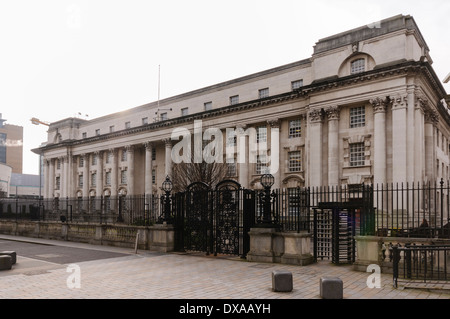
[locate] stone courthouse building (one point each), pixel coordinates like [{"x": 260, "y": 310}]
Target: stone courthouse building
[{"x": 366, "y": 107}]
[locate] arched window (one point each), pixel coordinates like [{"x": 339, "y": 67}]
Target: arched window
[{"x": 357, "y": 66}]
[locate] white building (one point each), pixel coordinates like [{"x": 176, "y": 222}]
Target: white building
[{"x": 367, "y": 107}]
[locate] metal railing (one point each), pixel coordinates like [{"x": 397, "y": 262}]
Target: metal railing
[{"x": 421, "y": 263}]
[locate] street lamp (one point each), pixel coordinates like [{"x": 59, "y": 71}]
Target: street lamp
[
  {"x": 267, "y": 181},
  {"x": 167, "y": 187}
]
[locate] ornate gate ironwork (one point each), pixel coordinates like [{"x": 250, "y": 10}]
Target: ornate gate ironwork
[{"x": 215, "y": 221}]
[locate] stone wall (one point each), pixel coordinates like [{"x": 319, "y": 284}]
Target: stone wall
[{"x": 156, "y": 238}]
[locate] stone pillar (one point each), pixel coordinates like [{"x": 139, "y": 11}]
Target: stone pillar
[
  {"x": 86, "y": 176},
  {"x": 130, "y": 182},
  {"x": 46, "y": 180},
  {"x": 399, "y": 139},
  {"x": 379, "y": 162},
  {"x": 333, "y": 146},
  {"x": 410, "y": 130},
  {"x": 315, "y": 150},
  {"x": 114, "y": 172},
  {"x": 70, "y": 174},
  {"x": 148, "y": 169},
  {"x": 419, "y": 136},
  {"x": 51, "y": 179},
  {"x": 243, "y": 158},
  {"x": 168, "y": 157},
  {"x": 431, "y": 119},
  {"x": 99, "y": 184},
  {"x": 275, "y": 152}
]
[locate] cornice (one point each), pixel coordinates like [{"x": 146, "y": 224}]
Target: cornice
[{"x": 402, "y": 69}]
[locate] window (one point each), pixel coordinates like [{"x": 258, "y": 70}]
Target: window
[
  {"x": 231, "y": 138},
  {"x": 261, "y": 134},
  {"x": 357, "y": 154},
  {"x": 295, "y": 129},
  {"x": 108, "y": 178},
  {"x": 109, "y": 157},
  {"x": 163, "y": 116},
  {"x": 296, "y": 84},
  {"x": 234, "y": 99},
  {"x": 84, "y": 135},
  {"x": 124, "y": 155},
  {"x": 231, "y": 169},
  {"x": 58, "y": 164},
  {"x": 58, "y": 182},
  {"x": 94, "y": 179},
  {"x": 127, "y": 125},
  {"x": 94, "y": 159},
  {"x": 261, "y": 164},
  {"x": 295, "y": 161},
  {"x": 111, "y": 129},
  {"x": 145, "y": 121},
  {"x": 153, "y": 176},
  {"x": 80, "y": 180},
  {"x": 184, "y": 111},
  {"x": 153, "y": 153},
  {"x": 208, "y": 106},
  {"x": 357, "y": 116},
  {"x": 357, "y": 66},
  {"x": 97, "y": 132},
  {"x": 81, "y": 161},
  {"x": 263, "y": 93},
  {"x": 123, "y": 177}
]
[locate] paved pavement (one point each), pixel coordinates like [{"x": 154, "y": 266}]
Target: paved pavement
[{"x": 48, "y": 269}]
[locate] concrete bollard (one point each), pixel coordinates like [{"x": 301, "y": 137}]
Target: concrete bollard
[
  {"x": 10, "y": 253},
  {"x": 282, "y": 281},
  {"x": 5, "y": 262},
  {"x": 331, "y": 288}
]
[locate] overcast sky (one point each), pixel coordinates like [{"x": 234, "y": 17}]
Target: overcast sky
[{"x": 95, "y": 57}]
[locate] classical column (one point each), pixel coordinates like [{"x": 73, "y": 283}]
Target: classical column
[
  {"x": 410, "y": 130},
  {"x": 130, "y": 182},
  {"x": 243, "y": 157},
  {"x": 99, "y": 183},
  {"x": 114, "y": 172},
  {"x": 51, "y": 179},
  {"x": 419, "y": 138},
  {"x": 63, "y": 179},
  {"x": 379, "y": 140},
  {"x": 315, "y": 150},
  {"x": 46, "y": 180},
  {"x": 148, "y": 169},
  {"x": 275, "y": 142},
  {"x": 70, "y": 174},
  {"x": 431, "y": 120},
  {"x": 333, "y": 145},
  {"x": 86, "y": 176},
  {"x": 168, "y": 157},
  {"x": 399, "y": 139}
]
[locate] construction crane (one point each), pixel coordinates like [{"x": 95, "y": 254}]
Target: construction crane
[{"x": 36, "y": 121}]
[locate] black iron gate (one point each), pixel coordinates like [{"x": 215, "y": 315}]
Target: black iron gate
[{"x": 215, "y": 221}]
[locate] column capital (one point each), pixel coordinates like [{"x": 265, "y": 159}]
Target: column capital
[
  {"x": 148, "y": 145},
  {"x": 380, "y": 105},
  {"x": 399, "y": 101},
  {"x": 167, "y": 142},
  {"x": 431, "y": 116},
  {"x": 275, "y": 123},
  {"x": 421, "y": 103},
  {"x": 333, "y": 113},
  {"x": 316, "y": 116}
]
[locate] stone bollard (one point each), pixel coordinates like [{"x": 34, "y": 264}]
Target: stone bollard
[
  {"x": 331, "y": 288},
  {"x": 9, "y": 253},
  {"x": 281, "y": 281},
  {"x": 5, "y": 262}
]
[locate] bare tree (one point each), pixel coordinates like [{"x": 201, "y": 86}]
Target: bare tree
[{"x": 185, "y": 174}]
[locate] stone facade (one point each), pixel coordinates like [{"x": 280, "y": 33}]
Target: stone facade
[{"x": 365, "y": 107}]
